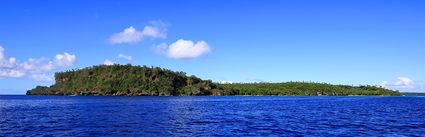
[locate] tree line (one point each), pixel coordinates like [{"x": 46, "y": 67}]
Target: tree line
[
  {"x": 125, "y": 80},
  {"x": 128, "y": 80},
  {"x": 301, "y": 89}
]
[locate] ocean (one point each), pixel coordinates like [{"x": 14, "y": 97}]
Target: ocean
[{"x": 211, "y": 116}]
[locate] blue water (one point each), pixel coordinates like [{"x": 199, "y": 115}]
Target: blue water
[{"x": 211, "y": 116}]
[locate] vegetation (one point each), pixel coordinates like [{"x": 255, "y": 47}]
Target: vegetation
[
  {"x": 412, "y": 94},
  {"x": 300, "y": 88},
  {"x": 127, "y": 80}
]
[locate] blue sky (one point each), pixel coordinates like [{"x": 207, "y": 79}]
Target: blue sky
[{"x": 378, "y": 42}]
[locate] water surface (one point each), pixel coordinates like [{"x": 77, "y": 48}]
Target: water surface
[{"x": 211, "y": 116}]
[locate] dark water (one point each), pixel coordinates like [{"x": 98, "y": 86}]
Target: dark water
[{"x": 211, "y": 116}]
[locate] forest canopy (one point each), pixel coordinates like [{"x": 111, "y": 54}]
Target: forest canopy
[{"x": 128, "y": 80}]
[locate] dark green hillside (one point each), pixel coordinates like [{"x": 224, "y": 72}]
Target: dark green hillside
[
  {"x": 125, "y": 80},
  {"x": 128, "y": 80}
]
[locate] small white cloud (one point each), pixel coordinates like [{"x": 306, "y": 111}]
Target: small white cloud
[
  {"x": 126, "y": 57},
  {"x": 383, "y": 83},
  {"x": 65, "y": 59},
  {"x": 226, "y": 82},
  {"x": 108, "y": 62},
  {"x": 403, "y": 84},
  {"x": 10, "y": 67},
  {"x": 6, "y": 62},
  {"x": 1, "y": 53},
  {"x": 155, "y": 29},
  {"x": 11, "y": 73},
  {"x": 161, "y": 49},
  {"x": 42, "y": 77},
  {"x": 43, "y": 64},
  {"x": 130, "y": 35},
  {"x": 37, "y": 65},
  {"x": 9, "y": 63},
  {"x": 184, "y": 49},
  {"x": 403, "y": 81}
]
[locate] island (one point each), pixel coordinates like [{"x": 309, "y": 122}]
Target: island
[{"x": 129, "y": 80}]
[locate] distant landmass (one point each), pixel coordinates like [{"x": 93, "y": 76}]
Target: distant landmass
[
  {"x": 128, "y": 80},
  {"x": 412, "y": 94}
]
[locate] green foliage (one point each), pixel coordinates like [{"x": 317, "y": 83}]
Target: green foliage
[
  {"x": 412, "y": 94},
  {"x": 300, "y": 89},
  {"x": 128, "y": 80},
  {"x": 124, "y": 80}
]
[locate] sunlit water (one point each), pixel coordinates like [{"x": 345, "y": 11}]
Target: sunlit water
[{"x": 211, "y": 116}]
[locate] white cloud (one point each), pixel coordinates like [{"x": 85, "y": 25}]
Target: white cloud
[
  {"x": 383, "y": 83},
  {"x": 42, "y": 77},
  {"x": 403, "y": 84},
  {"x": 2, "y": 56},
  {"x": 156, "y": 29},
  {"x": 226, "y": 82},
  {"x": 6, "y": 62},
  {"x": 10, "y": 67},
  {"x": 65, "y": 59},
  {"x": 184, "y": 49},
  {"x": 108, "y": 62},
  {"x": 9, "y": 63},
  {"x": 1, "y": 53},
  {"x": 37, "y": 65},
  {"x": 43, "y": 64},
  {"x": 403, "y": 81},
  {"x": 126, "y": 57},
  {"x": 11, "y": 73},
  {"x": 130, "y": 35}
]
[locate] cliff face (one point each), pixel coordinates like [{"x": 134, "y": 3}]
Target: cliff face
[{"x": 127, "y": 80}]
